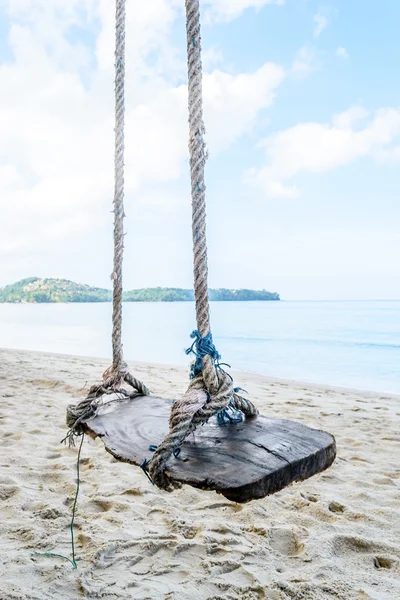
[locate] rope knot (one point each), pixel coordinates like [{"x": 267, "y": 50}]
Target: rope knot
[{"x": 201, "y": 347}]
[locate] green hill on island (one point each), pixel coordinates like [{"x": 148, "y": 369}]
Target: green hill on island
[{"x": 38, "y": 290}]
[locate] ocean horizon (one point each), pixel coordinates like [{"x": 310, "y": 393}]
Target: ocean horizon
[{"x": 347, "y": 343}]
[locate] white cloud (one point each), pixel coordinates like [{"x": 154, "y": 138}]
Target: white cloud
[
  {"x": 321, "y": 22},
  {"x": 212, "y": 57},
  {"x": 305, "y": 62},
  {"x": 57, "y": 115},
  {"x": 232, "y": 102},
  {"x": 226, "y": 10},
  {"x": 341, "y": 52},
  {"x": 231, "y": 105},
  {"x": 320, "y": 147}
]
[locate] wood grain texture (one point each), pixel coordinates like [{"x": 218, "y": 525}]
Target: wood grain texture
[{"x": 242, "y": 461}]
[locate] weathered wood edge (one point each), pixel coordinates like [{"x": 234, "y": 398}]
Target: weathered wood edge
[
  {"x": 265, "y": 486},
  {"x": 284, "y": 477}
]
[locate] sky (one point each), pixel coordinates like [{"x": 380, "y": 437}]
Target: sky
[{"x": 302, "y": 112}]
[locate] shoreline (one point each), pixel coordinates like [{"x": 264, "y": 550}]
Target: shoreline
[{"x": 237, "y": 374}]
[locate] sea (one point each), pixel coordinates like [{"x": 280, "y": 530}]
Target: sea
[{"x": 350, "y": 344}]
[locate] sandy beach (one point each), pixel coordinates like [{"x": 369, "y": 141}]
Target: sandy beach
[{"x": 336, "y": 536}]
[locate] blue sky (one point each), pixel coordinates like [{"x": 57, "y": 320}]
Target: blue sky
[{"x": 303, "y": 124}]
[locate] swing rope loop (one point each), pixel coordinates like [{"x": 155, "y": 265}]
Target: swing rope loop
[
  {"x": 117, "y": 374},
  {"x": 211, "y": 389}
]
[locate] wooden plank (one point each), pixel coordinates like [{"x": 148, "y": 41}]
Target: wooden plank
[{"x": 242, "y": 461}]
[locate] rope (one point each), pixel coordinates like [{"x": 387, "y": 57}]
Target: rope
[
  {"x": 211, "y": 389},
  {"x": 201, "y": 347},
  {"x": 119, "y": 184},
  {"x": 116, "y": 375},
  {"x": 78, "y": 414},
  {"x": 72, "y": 523}
]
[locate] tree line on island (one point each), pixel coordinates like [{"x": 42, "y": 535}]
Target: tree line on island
[{"x": 36, "y": 290}]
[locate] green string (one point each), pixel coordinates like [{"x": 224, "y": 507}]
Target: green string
[{"x": 72, "y": 561}]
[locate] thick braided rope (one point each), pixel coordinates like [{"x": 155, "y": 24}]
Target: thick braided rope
[
  {"x": 211, "y": 390},
  {"x": 198, "y": 157},
  {"x": 116, "y": 375},
  {"x": 119, "y": 185},
  {"x": 119, "y": 371},
  {"x": 112, "y": 387}
]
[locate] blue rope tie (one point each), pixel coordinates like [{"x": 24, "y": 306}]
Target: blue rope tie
[
  {"x": 202, "y": 347},
  {"x": 144, "y": 465},
  {"x": 230, "y": 415}
]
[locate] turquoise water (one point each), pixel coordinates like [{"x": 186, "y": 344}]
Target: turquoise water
[{"x": 351, "y": 344}]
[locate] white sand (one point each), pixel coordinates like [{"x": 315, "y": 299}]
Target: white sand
[{"x": 334, "y": 536}]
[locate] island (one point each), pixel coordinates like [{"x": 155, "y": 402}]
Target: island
[{"x": 37, "y": 290}]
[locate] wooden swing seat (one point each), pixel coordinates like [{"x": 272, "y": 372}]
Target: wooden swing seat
[{"x": 242, "y": 461}]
